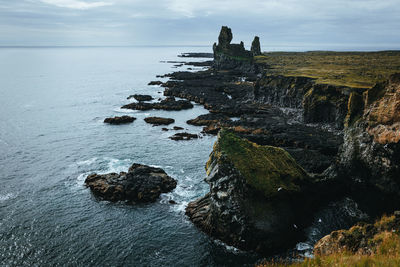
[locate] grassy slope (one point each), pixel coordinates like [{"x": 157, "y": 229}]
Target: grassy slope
[{"x": 353, "y": 69}]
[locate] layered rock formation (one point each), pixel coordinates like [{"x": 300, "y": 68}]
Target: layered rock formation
[{"x": 140, "y": 184}]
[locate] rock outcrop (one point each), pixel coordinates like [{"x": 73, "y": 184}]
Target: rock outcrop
[
  {"x": 159, "y": 120},
  {"x": 141, "y": 98},
  {"x": 169, "y": 103},
  {"x": 370, "y": 154},
  {"x": 231, "y": 56},
  {"x": 183, "y": 136},
  {"x": 140, "y": 184},
  {"x": 119, "y": 120},
  {"x": 255, "y": 46},
  {"x": 260, "y": 199}
]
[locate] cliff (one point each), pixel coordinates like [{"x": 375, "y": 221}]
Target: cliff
[{"x": 260, "y": 199}]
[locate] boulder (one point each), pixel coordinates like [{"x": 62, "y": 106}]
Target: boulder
[
  {"x": 140, "y": 184},
  {"x": 119, "y": 120},
  {"x": 159, "y": 120}
]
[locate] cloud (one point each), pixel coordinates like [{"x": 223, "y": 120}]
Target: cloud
[{"x": 75, "y": 4}]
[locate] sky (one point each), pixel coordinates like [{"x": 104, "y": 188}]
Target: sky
[{"x": 281, "y": 24}]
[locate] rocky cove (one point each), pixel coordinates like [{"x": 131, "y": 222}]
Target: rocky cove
[{"x": 288, "y": 147}]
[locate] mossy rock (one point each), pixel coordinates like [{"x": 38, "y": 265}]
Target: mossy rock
[
  {"x": 355, "y": 108},
  {"x": 267, "y": 169}
]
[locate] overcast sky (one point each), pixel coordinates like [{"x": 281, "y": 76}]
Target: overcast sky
[{"x": 285, "y": 24}]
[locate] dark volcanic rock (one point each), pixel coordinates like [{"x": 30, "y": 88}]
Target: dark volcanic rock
[
  {"x": 259, "y": 198},
  {"x": 183, "y": 136},
  {"x": 155, "y": 83},
  {"x": 231, "y": 56},
  {"x": 255, "y": 46},
  {"x": 208, "y": 119},
  {"x": 167, "y": 104},
  {"x": 370, "y": 154},
  {"x": 141, "y": 98},
  {"x": 141, "y": 184},
  {"x": 159, "y": 120},
  {"x": 177, "y": 128},
  {"x": 119, "y": 120}
]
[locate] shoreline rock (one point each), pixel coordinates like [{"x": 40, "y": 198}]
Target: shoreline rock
[
  {"x": 140, "y": 184},
  {"x": 170, "y": 103},
  {"x": 119, "y": 120},
  {"x": 141, "y": 98},
  {"x": 159, "y": 121}
]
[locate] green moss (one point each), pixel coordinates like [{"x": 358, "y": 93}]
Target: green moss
[{"x": 266, "y": 168}]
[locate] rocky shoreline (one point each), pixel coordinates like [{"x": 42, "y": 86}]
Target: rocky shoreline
[{"x": 287, "y": 147}]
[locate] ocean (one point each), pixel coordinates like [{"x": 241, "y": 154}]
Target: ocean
[{"x": 53, "y": 101}]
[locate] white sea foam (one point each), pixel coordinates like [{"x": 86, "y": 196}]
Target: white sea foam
[
  {"x": 125, "y": 110},
  {"x": 87, "y": 162},
  {"x": 6, "y": 197}
]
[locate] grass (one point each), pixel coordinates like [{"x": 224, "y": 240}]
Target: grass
[
  {"x": 352, "y": 69},
  {"x": 266, "y": 168}
]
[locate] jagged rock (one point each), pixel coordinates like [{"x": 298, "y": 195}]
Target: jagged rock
[
  {"x": 231, "y": 56},
  {"x": 177, "y": 128},
  {"x": 259, "y": 198},
  {"x": 360, "y": 239},
  {"x": 255, "y": 46},
  {"x": 183, "y": 136},
  {"x": 141, "y": 98},
  {"x": 159, "y": 120},
  {"x": 167, "y": 104},
  {"x": 119, "y": 120},
  {"x": 370, "y": 154},
  {"x": 140, "y": 184}
]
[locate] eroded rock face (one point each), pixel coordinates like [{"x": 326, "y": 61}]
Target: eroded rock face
[
  {"x": 371, "y": 150},
  {"x": 119, "y": 120},
  {"x": 361, "y": 238},
  {"x": 257, "y": 197},
  {"x": 140, "y": 184}
]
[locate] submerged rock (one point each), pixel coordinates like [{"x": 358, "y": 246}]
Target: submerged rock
[
  {"x": 159, "y": 120},
  {"x": 260, "y": 199},
  {"x": 119, "y": 120},
  {"x": 140, "y": 184}
]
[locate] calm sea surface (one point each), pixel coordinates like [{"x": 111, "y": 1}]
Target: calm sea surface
[{"x": 52, "y": 105}]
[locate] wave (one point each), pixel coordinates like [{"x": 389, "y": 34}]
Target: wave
[{"x": 6, "y": 197}]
